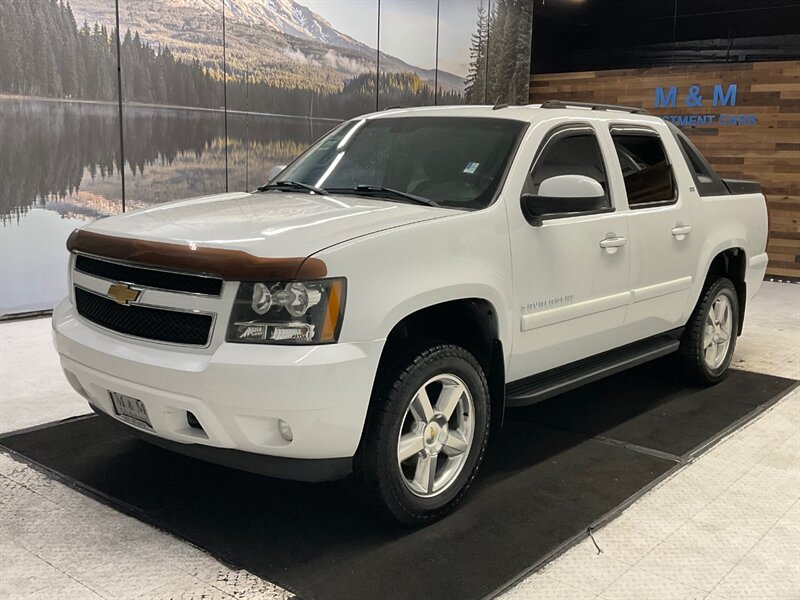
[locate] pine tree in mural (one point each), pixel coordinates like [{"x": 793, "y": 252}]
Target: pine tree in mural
[
  {"x": 500, "y": 53},
  {"x": 475, "y": 83},
  {"x": 43, "y": 52},
  {"x": 521, "y": 75}
]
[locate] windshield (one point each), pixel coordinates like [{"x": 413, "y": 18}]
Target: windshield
[{"x": 457, "y": 162}]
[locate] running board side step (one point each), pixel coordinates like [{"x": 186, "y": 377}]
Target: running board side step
[{"x": 562, "y": 379}]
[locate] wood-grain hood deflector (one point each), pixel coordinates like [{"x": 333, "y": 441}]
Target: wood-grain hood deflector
[{"x": 232, "y": 265}]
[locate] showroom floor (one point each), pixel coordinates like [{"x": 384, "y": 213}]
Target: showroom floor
[{"x": 726, "y": 526}]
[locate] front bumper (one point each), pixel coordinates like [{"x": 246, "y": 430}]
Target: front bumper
[
  {"x": 237, "y": 392},
  {"x": 298, "y": 469}
]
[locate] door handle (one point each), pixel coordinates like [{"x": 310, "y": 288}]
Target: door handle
[
  {"x": 612, "y": 244},
  {"x": 681, "y": 231}
]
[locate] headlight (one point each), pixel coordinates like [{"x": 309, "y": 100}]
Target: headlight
[{"x": 295, "y": 312}]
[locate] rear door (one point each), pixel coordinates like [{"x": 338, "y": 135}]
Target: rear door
[
  {"x": 571, "y": 274},
  {"x": 662, "y": 232}
]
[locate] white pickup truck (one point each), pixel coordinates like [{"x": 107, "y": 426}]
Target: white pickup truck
[{"x": 377, "y": 305}]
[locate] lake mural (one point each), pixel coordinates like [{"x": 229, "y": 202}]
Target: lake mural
[
  {"x": 61, "y": 172},
  {"x": 214, "y": 93}
]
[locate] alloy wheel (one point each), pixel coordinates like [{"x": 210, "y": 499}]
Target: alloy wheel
[
  {"x": 436, "y": 435},
  {"x": 717, "y": 332}
]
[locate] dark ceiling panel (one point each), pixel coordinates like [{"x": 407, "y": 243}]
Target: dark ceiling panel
[
  {"x": 574, "y": 35},
  {"x": 712, "y": 19}
]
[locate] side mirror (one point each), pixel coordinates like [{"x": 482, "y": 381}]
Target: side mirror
[
  {"x": 563, "y": 194},
  {"x": 274, "y": 172}
]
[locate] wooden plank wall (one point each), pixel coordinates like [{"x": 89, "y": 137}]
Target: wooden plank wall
[{"x": 768, "y": 152}]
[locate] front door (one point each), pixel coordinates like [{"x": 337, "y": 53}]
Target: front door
[{"x": 571, "y": 273}]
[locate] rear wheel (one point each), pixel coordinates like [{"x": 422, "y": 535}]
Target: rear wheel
[
  {"x": 426, "y": 432},
  {"x": 710, "y": 335}
]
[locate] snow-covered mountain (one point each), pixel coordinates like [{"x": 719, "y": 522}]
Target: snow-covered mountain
[
  {"x": 290, "y": 18},
  {"x": 274, "y": 36},
  {"x": 294, "y": 19}
]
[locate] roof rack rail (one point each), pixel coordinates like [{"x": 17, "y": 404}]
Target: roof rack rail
[{"x": 593, "y": 106}]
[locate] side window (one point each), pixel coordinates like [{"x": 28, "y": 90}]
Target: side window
[
  {"x": 705, "y": 178},
  {"x": 693, "y": 161},
  {"x": 569, "y": 152},
  {"x": 648, "y": 176}
]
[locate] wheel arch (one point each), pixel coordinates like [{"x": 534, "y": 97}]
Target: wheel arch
[
  {"x": 731, "y": 263},
  {"x": 472, "y": 323}
]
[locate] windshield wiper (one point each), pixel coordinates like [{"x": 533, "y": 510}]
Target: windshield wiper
[
  {"x": 380, "y": 191},
  {"x": 293, "y": 185}
]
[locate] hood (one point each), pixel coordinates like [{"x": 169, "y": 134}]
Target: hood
[{"x": 270, "y": 224}]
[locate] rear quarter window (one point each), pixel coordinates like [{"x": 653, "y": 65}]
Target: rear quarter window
[{"x": 706, "y": 180}]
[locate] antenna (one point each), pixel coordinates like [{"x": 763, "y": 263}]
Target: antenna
[{"x": 499, "y": 104}]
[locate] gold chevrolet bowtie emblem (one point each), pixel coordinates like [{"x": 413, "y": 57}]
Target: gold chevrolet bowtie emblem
[{"x": 123, "y": 294}]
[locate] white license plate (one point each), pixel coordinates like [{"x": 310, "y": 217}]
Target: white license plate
[{"x": 131, "y": 410}]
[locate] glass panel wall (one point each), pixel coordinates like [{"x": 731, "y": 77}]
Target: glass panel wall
[
  {"x": 292, "y": 81},
  {"x": 408, "y": 53},
  {"x": 463, "y": 33},
  {"x": 59, "y": 141},
  {"x": 509, "y": 50},
  {"x": 173, "y": 101},
  {"x": 214, "y": 94}
]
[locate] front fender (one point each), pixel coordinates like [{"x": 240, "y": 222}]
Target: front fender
[{"x": 394, "y": 273}]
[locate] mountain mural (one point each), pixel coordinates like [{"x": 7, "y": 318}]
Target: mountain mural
[
  {"x": 290, "y": 18},
  {"x": 174, "y": 57},
  {"x": 187, "y": 134},
  {"x": 279, "y": 42}
]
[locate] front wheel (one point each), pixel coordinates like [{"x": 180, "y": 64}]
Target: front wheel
[
  {"x": 710, "y": 335},
  {"x": 426, "y": 432}
]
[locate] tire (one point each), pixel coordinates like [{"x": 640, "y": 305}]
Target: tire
[
  {"x": 704, "y": 352},
  {"x": 441, "y": 452}
]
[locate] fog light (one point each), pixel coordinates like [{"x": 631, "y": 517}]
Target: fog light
[{"x": 286, "y": 431}]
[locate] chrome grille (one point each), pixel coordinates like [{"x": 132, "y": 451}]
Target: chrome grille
[
  {"x": 135, "y": 300},
  {"x": 145, "y": 322},
  {"x": 148, "y": 277}
]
